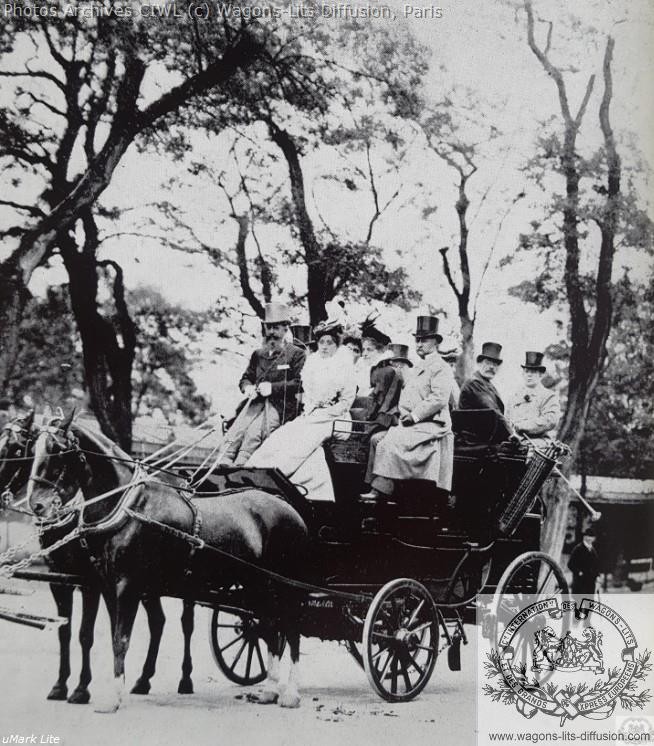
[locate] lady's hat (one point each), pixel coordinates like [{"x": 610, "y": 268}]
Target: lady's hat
[
  {"x": 534, "y": 361},
  {"x": 399, "y": 354},
  {"x": 427, "y": 328},
  {"x": 333, "y": 328},
  {"x": 301, "y": 334},
  {"x": 490, "y": 351},
  {"x": 370, "y": 331},
  {"x": 277, "y": 313}
]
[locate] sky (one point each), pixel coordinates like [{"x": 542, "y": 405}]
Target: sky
[{"x": 480, "y": 58}]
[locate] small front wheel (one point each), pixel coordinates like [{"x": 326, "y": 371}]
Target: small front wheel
[
  {"x": 237, "y": 646},
  {"x": 400, "y": 640}
]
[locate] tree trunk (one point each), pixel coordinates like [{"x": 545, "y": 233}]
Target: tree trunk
[
  {"x": 316, "y": 276},
  {"x": 13, "y": 297},
  {"x": 465, "y": 365}
]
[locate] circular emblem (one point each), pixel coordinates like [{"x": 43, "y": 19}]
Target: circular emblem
[{"x": 581, "y": 661}]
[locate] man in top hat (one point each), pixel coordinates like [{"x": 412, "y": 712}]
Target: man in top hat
[
  {"x": 534, "y": 410},
  {"x": 422, "y": 445},
  {"x": 584, "y": 564},
  {"x": 478, "y": 392},
  {"x": 271, "y": 384}
]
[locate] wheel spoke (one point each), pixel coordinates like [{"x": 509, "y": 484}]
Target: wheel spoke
[
  {"x": 248, "y": 662},
  {"x": 544, "y": 584},
  {"x": 238, "y": 656},
  {"x": 394, "y": 675},
  {"x": 415, "y": 613},
  {"x": 379, "y": 652},
  {"x": 260, "y": 657},
  {"x": 229, "y": 644},
  {"x": 420, "y": 627},
  {"x": 412, "y": 661},
  {"x": 383, "y": 636},
  {"x": 405, "y": 676},
  {"x": 382, "y": 673},
  {"x": 425, "y": 647}
]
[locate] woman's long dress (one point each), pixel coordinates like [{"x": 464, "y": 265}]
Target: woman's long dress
[{"x": 295, "y": 448}]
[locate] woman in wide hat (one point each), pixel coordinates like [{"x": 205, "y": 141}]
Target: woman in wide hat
[{"x": 328, "y": 393}]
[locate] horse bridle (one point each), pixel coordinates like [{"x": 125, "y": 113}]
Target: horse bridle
[
  {"x": 69, "y": 445},
  {"x": 17, "y": 430}
]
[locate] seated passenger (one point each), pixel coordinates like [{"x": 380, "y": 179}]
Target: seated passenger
[
  {"x": 271, "y": 384},
  {"x": 329, "y": 390},
  {"x": 478, "y": 392},
  {"x": 422, "y": 446},
  {"x": 534, "y": 410},
  {"x": 387, "y": 380}
]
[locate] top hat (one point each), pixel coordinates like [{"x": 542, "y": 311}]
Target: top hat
[
  {"x": 399, "y": 354},
  {"x": 302, "y": 334},
  {"x": 590, "y": 532},
  {"x": 277, "y": 313},
  {"x": 534, "y": 361},
  {"x": 427, "y": 327},
  {"x": 490, "y": 351}
]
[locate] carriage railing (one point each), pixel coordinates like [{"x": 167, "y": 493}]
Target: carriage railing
[{"x": 539, "y": 467}]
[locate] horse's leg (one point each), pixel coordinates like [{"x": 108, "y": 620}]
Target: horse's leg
[
  {"x": 186, "y": 684},
  {"x": 290, "y": 696},
  {"x": 156, "y": 621},
  {"x": 63, "y": 596},
  {"x": 126, "y": 606},
  {"x": 90, "y": 603},
  {"x": 269, "y": 693}
]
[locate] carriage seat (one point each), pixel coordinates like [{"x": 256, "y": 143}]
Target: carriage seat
[{"x": 479, "y": 426}]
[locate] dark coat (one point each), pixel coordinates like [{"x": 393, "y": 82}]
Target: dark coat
[
  {"x": 383, "y": 402},
  {"x": 584, "y": 565},
  {"x": 479, "y": 393},
  {"x": 282, "y": 370}
]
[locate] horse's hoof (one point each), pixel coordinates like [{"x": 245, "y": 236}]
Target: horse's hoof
[
  {"x": 141, "y": 687},
  {"x": 79, "y": 697},
  {"x": 289, "y": 699},
  {"x": 107, "y": 708},
  {"x": 185, "y": 686},
  {"x": 58, "y": 693},
  {"x": 267, "y": 698}
]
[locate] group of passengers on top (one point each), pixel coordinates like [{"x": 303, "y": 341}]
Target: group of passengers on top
[{"x": 295, "y": 395}]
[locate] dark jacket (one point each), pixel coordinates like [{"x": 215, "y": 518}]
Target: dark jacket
[
  {"x": 584, "y": 565},
  {"x": 383, "y": 401},
  {"x": 282, "y": 370},
  {"x": 479, "y": 393}
]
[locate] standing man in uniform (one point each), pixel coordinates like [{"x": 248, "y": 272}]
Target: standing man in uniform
[
  {"x": 534, "y": 410},
  {"x": 584, "y": 564},
  {"x": 478, "y": 392},
  {"x": 271, "y": 385},
  {"x": 422, "y": 445}
]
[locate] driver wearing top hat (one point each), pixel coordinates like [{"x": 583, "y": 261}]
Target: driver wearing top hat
[
  {"x": 478, "y": 392},
  {"x": 534, "y": 410},
  {"x": 271, "y": 384}
]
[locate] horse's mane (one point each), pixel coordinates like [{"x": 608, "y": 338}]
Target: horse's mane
[{"x": 101, "y": 443}]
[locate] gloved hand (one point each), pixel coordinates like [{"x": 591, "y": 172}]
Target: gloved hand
[
  {"x": 249, "y": 390},
  {"x": 264, "y": 388},
  {"x": 407, "y": 420}
]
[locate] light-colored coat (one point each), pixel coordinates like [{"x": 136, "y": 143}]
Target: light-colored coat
[
  {"x": 424, "y": 450},
  {"x": 535, "y": 411}
]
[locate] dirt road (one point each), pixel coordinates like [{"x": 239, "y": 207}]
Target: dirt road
[{"x": 338, "y": 705}]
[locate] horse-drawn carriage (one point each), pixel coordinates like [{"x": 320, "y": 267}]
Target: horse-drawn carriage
[{"x": 395, "y": 584}]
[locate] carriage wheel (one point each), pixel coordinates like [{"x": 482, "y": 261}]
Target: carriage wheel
[
  {"x": 531, "y": 576},
  {"x": 400, "y": 640},
  {"x": 237, "y": 646}
]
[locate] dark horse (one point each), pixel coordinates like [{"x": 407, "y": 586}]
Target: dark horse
[
  {"x": 16, "y": 453},
  {"x": 137, "y": 540}
]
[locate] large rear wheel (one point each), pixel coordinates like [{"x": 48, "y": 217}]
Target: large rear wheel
[{"x": 400, "y": 640}]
